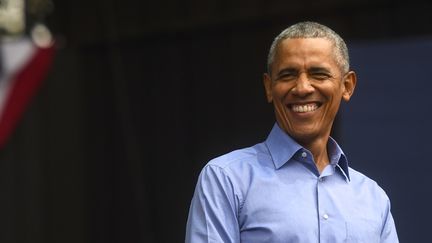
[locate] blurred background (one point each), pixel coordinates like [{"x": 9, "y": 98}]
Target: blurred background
[{"x": 137, "y": 96}]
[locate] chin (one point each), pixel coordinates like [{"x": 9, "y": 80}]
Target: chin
[
  {"x": 303, "y": 137},
  {"x": 303, "y": 134}
]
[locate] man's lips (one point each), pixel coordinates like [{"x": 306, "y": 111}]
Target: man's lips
[{"x": 305, "y": 107}]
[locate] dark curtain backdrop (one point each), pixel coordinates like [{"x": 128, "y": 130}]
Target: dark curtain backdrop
[
  {"x": 141, "y": 95},
  {"x": 386, "y": 126}
]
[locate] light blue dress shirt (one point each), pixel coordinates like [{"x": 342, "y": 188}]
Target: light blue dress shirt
[{"x": 272, "y": 192}]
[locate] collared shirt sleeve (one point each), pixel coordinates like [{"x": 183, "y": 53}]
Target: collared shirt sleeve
[
  {"x": 213, "y": 214},
  {"x": 389, "y": 234}
]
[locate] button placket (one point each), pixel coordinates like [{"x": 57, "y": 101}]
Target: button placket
[{"x": 323, "y": 215}]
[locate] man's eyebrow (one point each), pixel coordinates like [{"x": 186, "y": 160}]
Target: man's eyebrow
[
  {"x": 318, "y": 70},
  {"x": 287, "y": 70}
]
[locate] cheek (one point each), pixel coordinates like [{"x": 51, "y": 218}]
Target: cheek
[
  {"x": 280, "y": 91},
  {"x": 332, "y": 92},
  {"x": 334, "y": 99}
]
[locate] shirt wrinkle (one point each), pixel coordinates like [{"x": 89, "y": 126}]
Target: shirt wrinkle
[{"x": 236, "y": 191}]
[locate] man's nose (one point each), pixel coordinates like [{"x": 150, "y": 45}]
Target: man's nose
[{"x": 303, "y": 86}]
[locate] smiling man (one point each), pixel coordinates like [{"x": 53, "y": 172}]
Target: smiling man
[{"x": 296, "y": 186}]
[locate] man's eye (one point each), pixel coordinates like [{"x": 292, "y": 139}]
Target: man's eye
[
  {"x": 287, "y": 77},
  {"x": 320, "y": 76}
]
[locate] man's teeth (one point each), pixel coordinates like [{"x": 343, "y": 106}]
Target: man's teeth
[{"x": 304, "y": 108}]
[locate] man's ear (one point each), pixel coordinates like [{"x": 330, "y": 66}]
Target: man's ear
[
  {"x": 349, "y": 84},
  {"x": 268, "y": 87}
]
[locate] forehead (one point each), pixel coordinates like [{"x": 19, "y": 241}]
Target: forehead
[{"x": 305, "y": 52}]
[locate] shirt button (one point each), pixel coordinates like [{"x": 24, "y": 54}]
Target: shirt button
[
  {"x": 325, "y": 216},
  {"x": 304, "y": 155},
  {"x": 321, "y": 179}
]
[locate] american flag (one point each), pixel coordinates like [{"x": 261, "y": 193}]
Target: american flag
[{"x": 23, "y": 68}]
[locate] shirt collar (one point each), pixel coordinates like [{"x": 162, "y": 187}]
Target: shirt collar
[
  {"x": 282, "y": 148},
  {"x": 338, "y": 157}
]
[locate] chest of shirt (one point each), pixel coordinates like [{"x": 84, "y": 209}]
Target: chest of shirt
[{"x": 293, "y": 205}]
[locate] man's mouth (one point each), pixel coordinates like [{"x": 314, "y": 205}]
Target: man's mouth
[{"x": 303, "y": 108}]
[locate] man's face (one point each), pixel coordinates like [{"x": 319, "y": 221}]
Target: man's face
[{"x": 306, "y": 87}]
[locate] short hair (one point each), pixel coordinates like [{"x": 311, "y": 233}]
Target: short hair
[{"x": 309, "y": 29}]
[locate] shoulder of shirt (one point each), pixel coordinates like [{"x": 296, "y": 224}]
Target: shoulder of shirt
[
  {"x": 236, "y": 157},
  {"x": 360, "y": 178}
]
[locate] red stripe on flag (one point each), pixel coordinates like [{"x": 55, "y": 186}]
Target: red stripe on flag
[{"x": 24, "y": 86}]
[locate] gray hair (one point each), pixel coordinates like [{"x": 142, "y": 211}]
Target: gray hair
[{"x": 312, "y": 30}]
